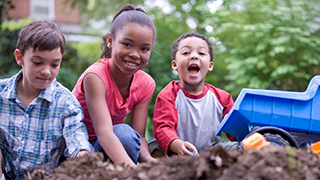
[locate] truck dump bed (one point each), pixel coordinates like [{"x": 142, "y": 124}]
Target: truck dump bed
[{"x": 291, "y": 111}]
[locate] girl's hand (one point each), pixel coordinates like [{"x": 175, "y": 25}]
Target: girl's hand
[{"x": 152, "y": 159}]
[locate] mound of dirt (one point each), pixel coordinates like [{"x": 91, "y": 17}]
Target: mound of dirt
[{"x": 270, "y": 162}]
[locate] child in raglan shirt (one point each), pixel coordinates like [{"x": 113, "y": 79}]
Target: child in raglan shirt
[{"x": 188, "y": 112}]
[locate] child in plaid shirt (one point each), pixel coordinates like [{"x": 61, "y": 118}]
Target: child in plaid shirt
[{"x": 41, "y": 121}]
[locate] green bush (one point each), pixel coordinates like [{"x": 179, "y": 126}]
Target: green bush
[
  {"x": 78, "y": 56},
  {"x": 8, "y": 40}
]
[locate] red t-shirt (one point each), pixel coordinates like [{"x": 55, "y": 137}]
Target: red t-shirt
[{"x": 141, "y": 88}]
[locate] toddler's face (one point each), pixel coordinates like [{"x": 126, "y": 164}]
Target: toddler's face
[{"x": 192, "y": 61}]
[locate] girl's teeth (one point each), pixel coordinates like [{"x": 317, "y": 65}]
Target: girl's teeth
[{"x": 131, "y": 64}]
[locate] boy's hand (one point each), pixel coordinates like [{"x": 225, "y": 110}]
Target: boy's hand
[
  {"x": 187, "y": 149},
  {"x": 82, "y": 153}
]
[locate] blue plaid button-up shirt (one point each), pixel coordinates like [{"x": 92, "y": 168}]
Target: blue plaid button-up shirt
[{"x": 40, "y": 134}]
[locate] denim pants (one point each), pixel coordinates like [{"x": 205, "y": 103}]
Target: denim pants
[{"x": 129, "y": 138}]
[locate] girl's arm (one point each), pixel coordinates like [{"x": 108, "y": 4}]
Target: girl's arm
[
  {"x": 138, "y": 122},
  {"x": 95, "y": 90}
]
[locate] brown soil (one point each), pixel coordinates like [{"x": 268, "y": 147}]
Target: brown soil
[{"x": 270, "y": 162}]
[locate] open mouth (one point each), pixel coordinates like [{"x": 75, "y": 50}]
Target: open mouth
[{"x": 193, "y": 69}]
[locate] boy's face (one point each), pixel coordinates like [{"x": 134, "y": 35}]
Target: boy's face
[
  {"x": 192, "y": 61},
  {"x": 39, "y": 67}
]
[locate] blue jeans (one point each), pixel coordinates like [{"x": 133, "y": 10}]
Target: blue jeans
[{"x": 129, "y": 138}]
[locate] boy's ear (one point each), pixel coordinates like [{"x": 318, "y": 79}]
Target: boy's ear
[
  {"x": 18, "y": 57},
  {"x": 109, "y": 40},
  {"x": 174, "y": 65},
  {"x": 211, "y": 65}
]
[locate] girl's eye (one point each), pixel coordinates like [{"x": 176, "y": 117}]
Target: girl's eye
[
  {"x": 55, "y": 65},
  {"x": 185, "y": 53},
  {"x": 201, "y": 53},
  {"x": 145, "y": 49}
]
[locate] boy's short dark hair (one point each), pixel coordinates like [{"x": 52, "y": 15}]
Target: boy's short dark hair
[
  {"x": 41, "y": 35},
  {"x": 184, "y": 36}
]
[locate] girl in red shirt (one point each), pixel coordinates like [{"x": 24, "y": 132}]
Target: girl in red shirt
[{"x": 115, "y": 86}]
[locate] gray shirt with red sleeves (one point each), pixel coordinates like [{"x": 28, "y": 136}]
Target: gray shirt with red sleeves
[{"x": 193, "y": 118}]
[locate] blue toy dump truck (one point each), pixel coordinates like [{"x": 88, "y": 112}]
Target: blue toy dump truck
[{"x": 282, "y": 117}]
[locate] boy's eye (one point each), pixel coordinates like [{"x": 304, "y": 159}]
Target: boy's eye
[
  {"x": 185, "y": 53},
  {"x": 36, "y": 62},
  {"x": 127, "y": 44},
  {"x": 201, "y": 53}
]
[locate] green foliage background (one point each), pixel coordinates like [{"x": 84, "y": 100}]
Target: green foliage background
[{"x": 268, "y": 44}]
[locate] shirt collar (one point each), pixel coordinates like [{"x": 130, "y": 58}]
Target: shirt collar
[{"x": 11, "y": 93}]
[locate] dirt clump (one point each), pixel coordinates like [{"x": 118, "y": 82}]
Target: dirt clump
[{"x": 270, "y": 162}]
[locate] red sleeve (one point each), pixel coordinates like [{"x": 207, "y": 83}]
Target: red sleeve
[
  {"x": 226, "y": 101},
  {"x": 165, "y": 118}
]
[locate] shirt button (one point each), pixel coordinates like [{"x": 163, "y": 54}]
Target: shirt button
[{"x": 117, "y": 111}]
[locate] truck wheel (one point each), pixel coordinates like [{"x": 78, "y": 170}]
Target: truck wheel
[{"x": 276, "y": 139}]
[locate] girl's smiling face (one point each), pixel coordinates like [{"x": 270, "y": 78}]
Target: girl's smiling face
[
  {"x": 192, "y": 62},
  {"x": 131, "y": 48}
]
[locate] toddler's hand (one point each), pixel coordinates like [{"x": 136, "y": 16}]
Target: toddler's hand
[{"x": 187, "y": 149}]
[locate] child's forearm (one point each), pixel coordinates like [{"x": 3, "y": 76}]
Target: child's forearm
[
  {"x": 76, "y": 135},
  {"x": 115, "y": 150},
  {"x": 145, "y": 155}
]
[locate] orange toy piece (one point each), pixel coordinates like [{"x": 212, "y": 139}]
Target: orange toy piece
[
  {"x": 316, "y": 148},
  {"x": 256, "y": 140}
]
